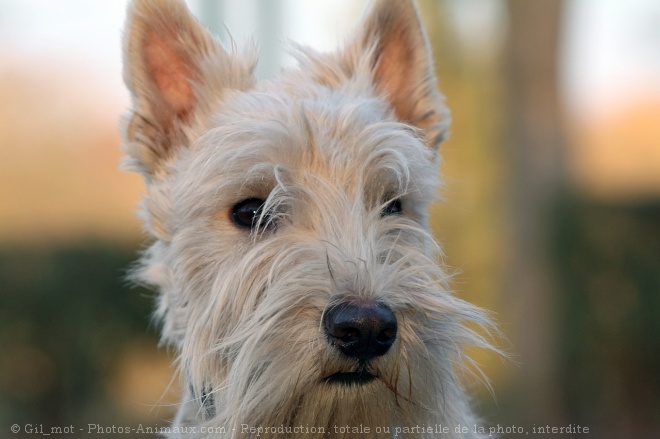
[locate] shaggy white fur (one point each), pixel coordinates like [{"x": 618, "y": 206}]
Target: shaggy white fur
[{"x": 340, "y": 157}]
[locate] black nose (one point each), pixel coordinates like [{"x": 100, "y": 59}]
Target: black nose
[{"x": 360, "y": 330}]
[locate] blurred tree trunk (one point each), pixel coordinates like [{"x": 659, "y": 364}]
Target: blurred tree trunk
[{"x": 536, "y": 176}]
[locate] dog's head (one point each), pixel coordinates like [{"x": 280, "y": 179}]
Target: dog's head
[{"x": 297, "y": 277}]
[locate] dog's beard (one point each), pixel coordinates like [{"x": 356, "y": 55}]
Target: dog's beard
[
  {"x": 319, "y": 408},
  {"x": 344, "y": 410}
]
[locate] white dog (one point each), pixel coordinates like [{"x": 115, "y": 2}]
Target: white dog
[{"x": 297, "y": 279}]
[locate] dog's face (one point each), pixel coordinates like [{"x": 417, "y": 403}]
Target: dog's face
[{"x": 297, "y": 278}]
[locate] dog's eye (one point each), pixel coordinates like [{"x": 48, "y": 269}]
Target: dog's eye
[
  {"x": 246, "y": 213},
  {"x": 392, "y": 208}
]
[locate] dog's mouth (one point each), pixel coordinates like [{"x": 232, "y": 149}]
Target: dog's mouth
[{"x": 355, "y": 378}]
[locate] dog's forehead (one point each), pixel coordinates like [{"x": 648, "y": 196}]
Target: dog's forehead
[
  {"x": 305, "y": 105},
  {"x": 294, "y": 119}
]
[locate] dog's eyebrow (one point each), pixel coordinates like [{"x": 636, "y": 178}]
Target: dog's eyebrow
[{"x": 258, "y": 181}]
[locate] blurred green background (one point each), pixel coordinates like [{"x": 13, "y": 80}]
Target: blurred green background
[{"x": 551, "y": 212}]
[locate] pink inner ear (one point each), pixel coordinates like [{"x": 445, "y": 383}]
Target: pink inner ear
[
  {"x": 170, "y": 74},
  {"x": 393, "y": 75}
]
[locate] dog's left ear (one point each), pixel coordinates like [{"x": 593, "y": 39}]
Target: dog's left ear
[
  {"x": 392, "y": 37},
  {"x": 175, "y": 71}
]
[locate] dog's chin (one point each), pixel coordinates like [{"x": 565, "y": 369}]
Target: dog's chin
[{"x": 357, "y": 378}]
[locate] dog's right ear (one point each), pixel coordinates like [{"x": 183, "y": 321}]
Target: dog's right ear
[
  {"x": 175, "y": 71},
  {"x": 392, "y": 40}
]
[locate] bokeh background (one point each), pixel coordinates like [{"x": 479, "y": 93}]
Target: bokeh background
[{"x": 551, "y": 214}]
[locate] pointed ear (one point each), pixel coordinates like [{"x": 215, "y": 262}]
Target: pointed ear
[
  {"x": 393, "y": 38},
  {"x": 174, "y": 70}
]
